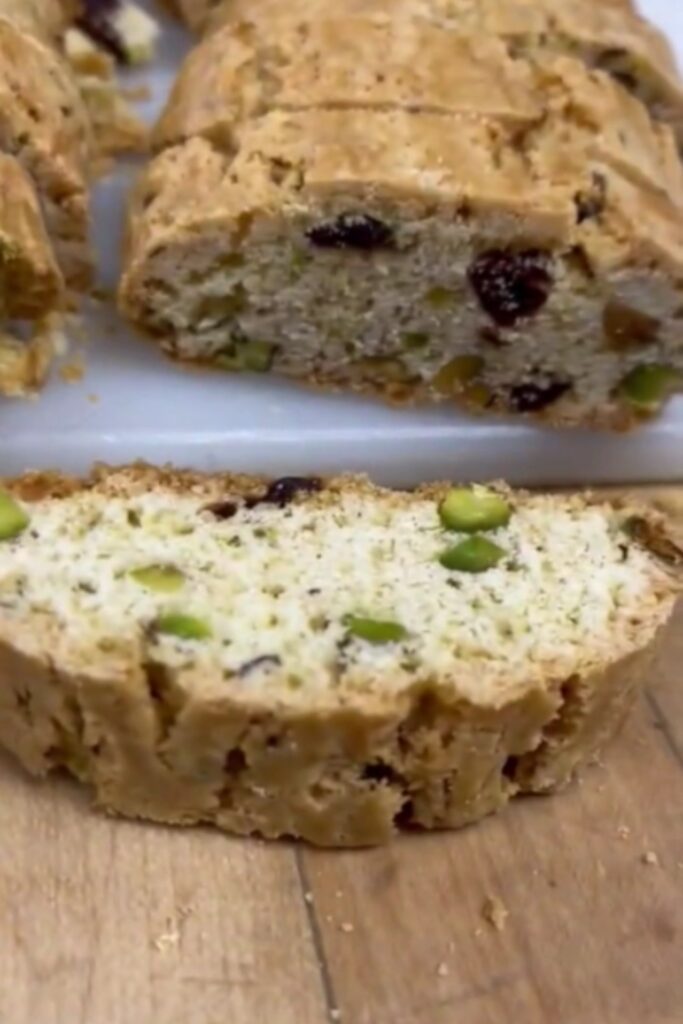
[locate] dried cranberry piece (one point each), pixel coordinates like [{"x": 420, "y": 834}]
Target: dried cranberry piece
[
  {"x": 535, "y": 396},
  {"x": 95, "y": 22},
  {"x": 352, "y": 231},
  {"x": 282, "y": 492},
  {"x": 511, "y": 285},
  {"x": 222, "y": 509}
]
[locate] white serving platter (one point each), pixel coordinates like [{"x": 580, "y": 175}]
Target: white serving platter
[{"x": 132, "y": 403}]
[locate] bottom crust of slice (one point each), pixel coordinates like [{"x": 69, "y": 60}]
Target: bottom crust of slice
[{"x": 345, "y": 776}]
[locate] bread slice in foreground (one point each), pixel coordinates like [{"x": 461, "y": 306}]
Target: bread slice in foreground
[
  {"x": 319, "y": 659},
  {"x": 398, "y": 200}
]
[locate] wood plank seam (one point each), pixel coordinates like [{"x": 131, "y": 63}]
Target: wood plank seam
[{"x": 326, "y": 981}]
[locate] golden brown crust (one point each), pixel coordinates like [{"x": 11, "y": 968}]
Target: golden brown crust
[
  {"x": 31, "y": 284},
  {"x": 24, "y": 365},
  {"x": 606, "y": 33},
  {"x": 45, "y": 19},
  {"x": 553, "y": 120},
  {"x": 30, "y": 280},
  {"x": 43, "y": 122},
  {"x": 43, "y": 193},
  {"x": 343, "y": 61}
]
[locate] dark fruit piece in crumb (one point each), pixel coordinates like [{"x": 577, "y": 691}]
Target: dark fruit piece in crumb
[
  {"x": 535, "y": 396},
  {"x": 95, "y": 22},
  {"x": 264, "y": 661},
  {"x": 652, "y": 537},
  {"x": 222, "y": 509},
  {"x": 625, "y": 327},
  {"x": 591, "y": 202},
  {"x": 379, "y": 771},
  {"x": 282, "y": 492},
  {"x": 511, "y": 285},
  {"x": 352, "y": 231}
]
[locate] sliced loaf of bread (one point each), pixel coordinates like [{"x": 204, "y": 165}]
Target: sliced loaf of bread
[
  {"x": 44, "y": 154},
  {"x": 31, "y": 284},
  {"x": 323, "y": 659},
  {"x": 44, "y": 124},
  {"x": 400, "y": 198}
]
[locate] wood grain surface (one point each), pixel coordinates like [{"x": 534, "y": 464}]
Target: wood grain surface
[{"x": 562, "y": 910}]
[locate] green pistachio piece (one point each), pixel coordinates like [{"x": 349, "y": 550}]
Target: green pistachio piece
[
  {"x": 413, "y": 341},
  {"x": 13, "y": 519},
  {"x": 185, "y": 627},
  {"x": 473, "y": 509},
  {"x": 439, "y": 298},
  {"x": 218, "y": 309},
  {"x": 375, "y": 631},
  {"x": 646, "y": 387},
  {"x": 382, "y": 368},
  {"x": 163, "y": 579},
  {"x": 257, "y": 356},
  {"x": 250, "y": 356},
  {"x": 474, "y": 555},
  {"x": 453, "y": 377}
]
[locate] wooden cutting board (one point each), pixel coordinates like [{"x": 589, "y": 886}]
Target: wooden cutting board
[{"x": 562, "y": 910}]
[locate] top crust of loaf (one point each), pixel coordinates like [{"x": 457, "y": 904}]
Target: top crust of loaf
[
  {"x": 44, "y": 124},
  {"x": 607, "y": 33},
  {"x": 652, "y": 571},
  {"x": 295, "y": 104},
  {"x": 40, "y": 100},
  {"x": 45, "y": 19}
]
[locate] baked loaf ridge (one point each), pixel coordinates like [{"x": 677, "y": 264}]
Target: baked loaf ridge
[
  {"x": 44, "y": 147},
  {"x": 327, "y": 660},
  {"x": 414, "y": 198},
  {"x": 44, "y": 125}
]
